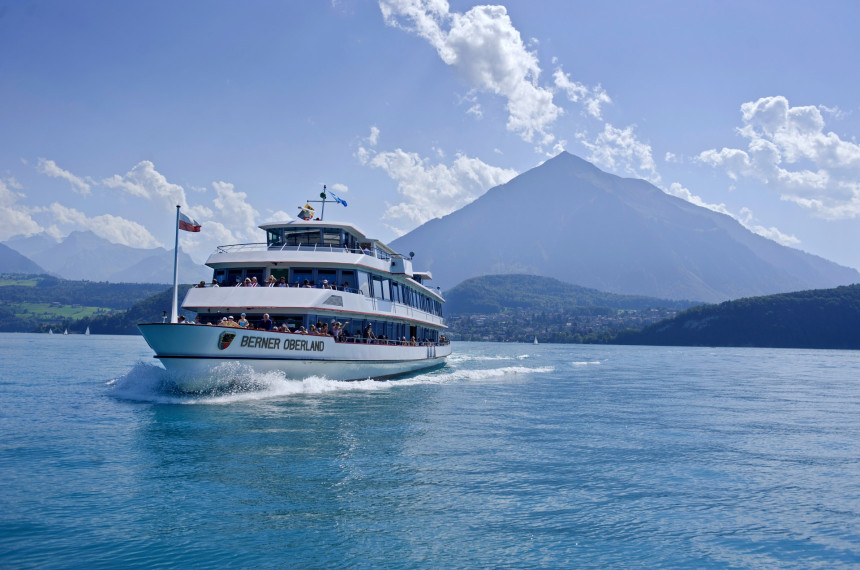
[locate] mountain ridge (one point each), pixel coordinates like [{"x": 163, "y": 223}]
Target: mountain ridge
[
  {"x": 84, "y": 255},
  {"x": 618, "y": 235}
]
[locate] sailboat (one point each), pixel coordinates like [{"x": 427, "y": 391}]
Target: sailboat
[
  {"x": 66, "y": 331},
  {"x": 87, "y": 332},
  {"x": 50, "y": 331},
  {"x": 536, "y": 340}
]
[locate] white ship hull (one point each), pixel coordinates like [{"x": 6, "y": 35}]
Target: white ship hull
[{"x": 192, "y": 352}]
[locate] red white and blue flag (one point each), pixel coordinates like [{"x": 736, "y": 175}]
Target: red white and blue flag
[{"x": 187, "y": 224}]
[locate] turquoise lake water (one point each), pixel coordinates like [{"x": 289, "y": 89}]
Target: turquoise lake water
[{"x": 510, "y": 456}]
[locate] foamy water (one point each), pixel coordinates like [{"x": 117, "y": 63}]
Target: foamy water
[{"x": 149, "y": 382}]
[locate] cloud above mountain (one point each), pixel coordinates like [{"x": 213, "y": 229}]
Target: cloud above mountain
[
  {"x": 15, "y": 218},
  {"x": 429, "y": 189},
  {"x": 789, "y": 150}
]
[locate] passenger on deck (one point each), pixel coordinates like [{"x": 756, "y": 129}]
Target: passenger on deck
[
  {"x": 267, "y": 324},
  {"x": 282, "y": 282},
  {"x": 253, "y": 281},
  {"x": 243, "y": 322},
  {"x": 270, "y": 281},
  {"x": 201, "y": 285},
  {"x": 247, "y": 282},
  {"x": 306, "y": 284},
  {"x": 231, "y": 322},
  {"x": 368, "y": 333},
  {"x": 215, "y": 282},
  {"x": 345, "y": 287}
]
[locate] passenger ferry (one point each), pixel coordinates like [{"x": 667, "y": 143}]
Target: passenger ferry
[{"x": 310, "y": 279}]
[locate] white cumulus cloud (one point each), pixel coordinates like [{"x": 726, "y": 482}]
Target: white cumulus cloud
[
  {"x": 112, "y": 228},
  {"x": 235, "y": 212},
  {"x": 144, "y": 181},
  {"x": 431, "y": 190},
  {"x": 50, "y": 168},
  {"x": 620, "y": 150},
  {"x": 789, "y": 150},
  {"x": 15, "y": 218},
  {"x": 592, "y": 98},
  {"x": 485, "y": 48}
]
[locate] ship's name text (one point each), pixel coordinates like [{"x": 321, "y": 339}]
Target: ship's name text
[{"x": 250, "y": 341}]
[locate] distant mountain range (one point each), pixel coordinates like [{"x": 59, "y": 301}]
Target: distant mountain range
[
  {"x": 84, "y": 255},
  {"x": 569, "y": 220}
]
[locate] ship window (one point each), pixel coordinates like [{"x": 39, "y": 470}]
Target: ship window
[
  {"x": 377, "y": 288},
  {"x": 364, "y": 283},
  {"x": 234, "y": 276},
  {"x": 302, "y": 236},
  {"x": 255, "y": 272},
  {"x": 300, "y": 275},
  {"x": 275, "y": 237},
  {"x": 220, "y": 275},
  {"x": 386, "y": 290},
  {"x": 329, "y": 275},
  {"x": 332, "y": 237},
  {"x": 350, "y": 242},
  {"x": 348, "y": 278},
  {"x": 277, "y": 273}
]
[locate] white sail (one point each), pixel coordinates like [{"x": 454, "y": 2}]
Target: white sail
[
  {"x": 536, "y": 340},
  {"x": 87, "y": 332},
  {"x": 66, "y": 331},
  {"x": 50, "y": 331}
]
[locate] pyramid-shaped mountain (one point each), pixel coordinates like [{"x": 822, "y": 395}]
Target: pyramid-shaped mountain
[{"x": 569, "y": 220}]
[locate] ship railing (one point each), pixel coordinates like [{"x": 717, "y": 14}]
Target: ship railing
[{"x": 310, "y": 247}]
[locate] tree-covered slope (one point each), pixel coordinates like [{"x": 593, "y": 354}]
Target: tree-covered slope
[
  {"x": 149, "y": 310},
  {"x": 41, "y": 302},
  {"x": 497, "y": 293},
  {"x": 821, "y": 318}
]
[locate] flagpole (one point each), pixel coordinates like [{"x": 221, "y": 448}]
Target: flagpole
[{"x": 174, "y": 316}]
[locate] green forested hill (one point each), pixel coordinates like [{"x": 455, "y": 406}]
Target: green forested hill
[
  {"x": 149, "y": 310},
  {"x": 497, "y": 293},
  {"x": 39, "y": 302},
  {"x": 822, "y": 318}
]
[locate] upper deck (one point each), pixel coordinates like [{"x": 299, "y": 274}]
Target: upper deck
[{"x": 315, "y": 242}]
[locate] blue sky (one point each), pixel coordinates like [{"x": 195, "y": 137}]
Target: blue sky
[{"x": 113, "y": 112}]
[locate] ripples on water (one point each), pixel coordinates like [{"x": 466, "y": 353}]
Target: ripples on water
[{"x": 510, "y": 455}]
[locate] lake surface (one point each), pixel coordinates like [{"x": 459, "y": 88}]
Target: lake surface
[{"x": 510, "y": 456}]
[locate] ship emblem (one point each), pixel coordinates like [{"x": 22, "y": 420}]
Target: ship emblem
[{"x": 225, "y": 339}]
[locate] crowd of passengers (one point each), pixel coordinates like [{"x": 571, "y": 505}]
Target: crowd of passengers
[
  {"x": 272, "y": 281},
  {"x": 336, "y": 329}
]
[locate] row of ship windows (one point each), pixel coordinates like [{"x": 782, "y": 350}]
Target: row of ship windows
[
  {"x": 341, "y": 279},
  {"x": 313, "y": 239}
]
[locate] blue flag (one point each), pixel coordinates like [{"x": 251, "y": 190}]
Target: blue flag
[{"x": 336, "y": 199}]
